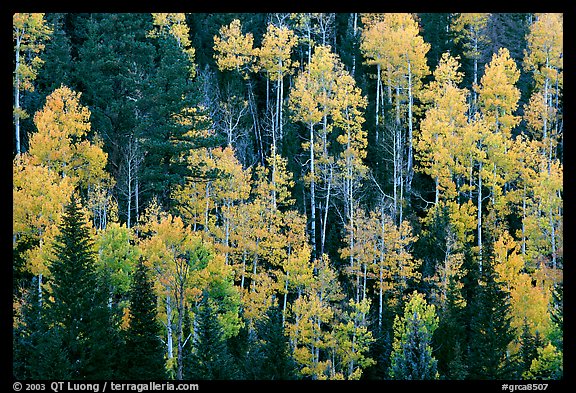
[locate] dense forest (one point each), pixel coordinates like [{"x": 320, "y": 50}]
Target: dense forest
[{"x": 283, "y": 196}]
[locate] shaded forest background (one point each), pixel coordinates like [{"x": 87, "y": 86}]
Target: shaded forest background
[{"x": 288, "y": 196}]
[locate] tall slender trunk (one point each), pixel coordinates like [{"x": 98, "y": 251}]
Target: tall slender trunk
[
  {"x": 378, "y": 83},
  {"x": 410, "y": 170},
  {"x": 17, "y": 96},
  {"x": 524, "y": 222},
  {"x": 553, "y": 239},
  {"x": 479, "y": 220},
  {"x": 312, "y": 193},
  {"x": 323, "y": 234},
  {"x": 169, "y": 342}
]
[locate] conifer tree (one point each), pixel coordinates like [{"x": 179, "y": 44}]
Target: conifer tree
[
  {"x": 490, "y": 330},
  {"x": 210, "y": 358},
  {"x": 275, "y": 358},
  {"x": 78, "y": 302},
  {"x": 36, "y": 353},
  {"x": 411, "y": 357},
  {"x": 143, "y": 352}
]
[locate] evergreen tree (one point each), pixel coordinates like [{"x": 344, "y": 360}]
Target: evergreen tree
[
  {"x": 276, "y": 360},
  {"x": 210, "y": 358},
  {"x": 36, "y": 353},
  {"x": 449, "y": 338},
  {"x": 143, "y": 351},
  {"x": 174, "y": 122},
  {"x": 490, "y": 330},
  {"x": 77, "y": 306},
  {"x": 411, "y": 357}
]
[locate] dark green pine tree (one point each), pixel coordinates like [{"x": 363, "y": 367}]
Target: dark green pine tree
[
  {"x": 37, "y": 351},
  {"x": 490, "y": 331},
  {"x": 143, "y": 353},
  {"x": 274, "y": 360},
  {"x": 58, "y": 64},
  {"x": 412, "y": 357},
  {"x": 528, "y": 349},
  {"x": 171, "y": 104},
  {"x": 78, "y": 306},
  {"x": 450, "y": 337},
  {"x": 415, "y": 360},
  {"x": 210, "y": 358}
]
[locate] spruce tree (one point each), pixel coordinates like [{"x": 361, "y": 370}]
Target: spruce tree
[
  {"x": 490, "y": 330},
  {"x": 77, "y": 306},
  {"x": 211, "y": 358},
  {"x": 37, "y": 352},
  {"x": 276, "y": 360},
  {"x": 411, "y": 357},
  {"x": 449, "y": 338},
  {"x": 143, "y": 356}
]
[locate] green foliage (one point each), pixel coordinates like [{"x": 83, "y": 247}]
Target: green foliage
[
  {"x": 210, "y": 357},
  {"x": 143, "y": 351},
  {"x": 77, "y": 306},
  {"x": 249, "y": 207},
  {"x": 411, "y": 356}
]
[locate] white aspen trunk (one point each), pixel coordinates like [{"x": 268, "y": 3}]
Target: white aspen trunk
[
  {"x": 479, "y": 220},
  {"x": 524, "y": 222},
  {"x": 312, "y": 192},
  {"x": 285, "y": 300},
  {"x": 40, "y": 290},
  {"x": 243, "y": 269},
  {"x": 280, "y": 109},
  {"x": 207, "y": 205},
  {"x": 364, "y": 281},
  {"x": 17, "y": 95},
  {"x": 323, "y": 239},
  {"x": 410, "y": 172},
  {"x": 437, "y": 191},
  {"x": 553, "y": 239},
  {"x": 378, "y": 82},
  {"x": 227, "y": 232},
  {"x": 136, "y": 192},
  {"x": 129, "y": 208},
  {"x": 169, "y": 343}
]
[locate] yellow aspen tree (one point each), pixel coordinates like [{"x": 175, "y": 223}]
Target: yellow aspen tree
[
  {"x": 230, "y": 188},
  {"x": 544, "y": 58},
  {"x": 529, "y": 300},
  {"x": 311, "y": 319},
  {"x": 395, "y": 45},
  {"x": 373, "y": 48},
  {"x": 309, "y": 101},
  {"x": 60, "y": 155},
  {"x": 408, "y": 68},
  {"x": 361, "y": 251},
  {"x": 235, "y": 51},
  {"x": 274, "y": 57},
  {"x": 497, "y": 101},
  {"x": 62, "y": 144},
  {"x": 348, "y": 116},
  {"x": 544, "y": 54},
  {"x": 29, "y": 34},
  {"x": 297, "y": 267},
  {"x": 441, "y": 129},
  {"x": 351, "y": 339},
  {"x": 174, "y": 254},
  {"x": 38, "y": 195}
]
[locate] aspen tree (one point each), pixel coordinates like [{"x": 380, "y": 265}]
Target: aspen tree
[{"x": 29, "y": 33}]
